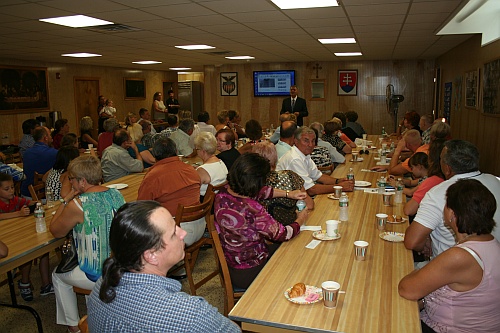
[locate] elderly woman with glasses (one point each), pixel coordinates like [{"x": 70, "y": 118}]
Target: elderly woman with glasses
[{"x": 86, "y": 212}]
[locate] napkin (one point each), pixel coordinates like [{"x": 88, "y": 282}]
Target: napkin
[
  {"x": 368, "y": 170},
  {"x": 310, "y": 227},
  {"x": 380, "y": 163},
  {"x": 371, "y": 190},
  {"x": 313, "y": 244}
]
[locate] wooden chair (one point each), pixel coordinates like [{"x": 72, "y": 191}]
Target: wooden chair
[
  {"x": 81, "y": 291},
  {"x": 13, "y": 158},
  {"x": 38, "y": 179},
  {"x": 37, "y": 192},
  {"x": 326, "y": 169},
  {"x": 214, "y": 190},
  {"x": 188, "y": 214},
  {"x": 83, "y": 325},
  {"x": 230, "y": 294}
]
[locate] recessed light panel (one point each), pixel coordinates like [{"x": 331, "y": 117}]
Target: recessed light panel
[
  {"x": 76, "y": 21},
  {"x": 146, "y": 62},
  {"x": 195, "y": 47},
  {"x": 240, "y": 58},
  {"x": 295, "y": 4},
  {"x": 81, "y": 55},
  {"x": 180, "y": 68},
  {"x": 337, "y": 40},
  {"x": 348, "y": 54}
]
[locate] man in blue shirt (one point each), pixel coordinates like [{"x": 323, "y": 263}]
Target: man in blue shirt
[{"x": 134, "y": 294}]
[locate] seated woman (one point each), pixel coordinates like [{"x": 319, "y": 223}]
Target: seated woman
[
  {"x": 61, "y": 128},
  {"x": 213, "y": 171},
  {"x": 332, "y": 130},
  {"x": 86, "y": 126},
  {"x": 245, "y": 225},
  {"x": 282, "y": 209},
  {"x": 57, "y": 177},
  {"x": 460, "y": 288},
  {"x": 321, "y": 155},
  {"x": 133, "y": 128},
  {"x": 87, "y": 212},
  {"x": 253, "y": 130}
]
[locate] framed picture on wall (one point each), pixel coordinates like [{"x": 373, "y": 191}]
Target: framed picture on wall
[
  {"x": 229, "y": 84},
  {"x": 348, "y": 83},
  {"x": 135, "y": 89},
  {"x": 318, "y": 88},
  {"x": 491, "y": 87},
  {"x": 24, "y": 89},
  {"x": 471, "y": 84}
]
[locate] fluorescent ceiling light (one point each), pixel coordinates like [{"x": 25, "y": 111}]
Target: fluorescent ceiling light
[
  {"x": 180, "y": 68},
  {"x": 240, "y": 58},
  {"x": 76, "y": 21},
  {"x": 337, "y": 40},
  {"x": 195, "y": 47},
  {"x": 146, "y": 62},
  {"x": 81, "y": 55},
  {"x": 348, "y": 54},
  {"x": 294, "y": 4},
  {"x": 185, "y": 72}
]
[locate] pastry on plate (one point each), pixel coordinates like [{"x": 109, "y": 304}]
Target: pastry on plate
[{"x": 297, "y": 290}]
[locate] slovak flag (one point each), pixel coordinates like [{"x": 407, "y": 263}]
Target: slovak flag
[{"x": 348, "y": 81}]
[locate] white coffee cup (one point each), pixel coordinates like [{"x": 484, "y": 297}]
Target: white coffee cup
[{"x": 332, "y": 228}]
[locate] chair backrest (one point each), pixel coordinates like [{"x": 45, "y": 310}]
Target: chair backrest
[
  {"x": 326, "y": 169},
  {"x": 83, "y": 325},
  {"x": 216, "y": 188},
  {"x": 12, "y": 158},
  {"x": 37, "y": 192},
  {"x": 38, "y": 179},
  {"x": 196, "y": 212}
]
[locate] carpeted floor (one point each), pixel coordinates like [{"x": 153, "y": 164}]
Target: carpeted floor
[{"x": 21, "y": 321}]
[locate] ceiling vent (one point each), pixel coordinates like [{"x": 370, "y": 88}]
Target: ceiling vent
[{"x": 113, "y": 28}]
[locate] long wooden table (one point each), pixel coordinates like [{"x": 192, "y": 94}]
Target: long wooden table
[{"x": 371, "y": 302}]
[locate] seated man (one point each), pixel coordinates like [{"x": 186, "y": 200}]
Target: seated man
[
  {"x": 352, "y": 117},
  {"x": 298, "y": 159},
  {"x": 173, "y": 124},
  {"x": 203, "y": 118},
  {"x": 286, "y": 141},
  {"x": 182, "y": 138},
  {"x": 146, "y": 115},
  {"x": 225, "y": 144},
  {"x": 116, "y": 161},
  {"x": 134, "y": 294},
  {"x": 459, "y": 159},
  {"x": 27, "y": 140},
  {"x": 147, "y": 133},
  {"x": 283, "y": 117}
]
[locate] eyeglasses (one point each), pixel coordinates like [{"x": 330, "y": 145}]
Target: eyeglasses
[{"x": 71, "y": 178}]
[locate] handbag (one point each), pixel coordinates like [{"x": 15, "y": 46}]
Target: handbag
[{"x": 69, "y": 256}]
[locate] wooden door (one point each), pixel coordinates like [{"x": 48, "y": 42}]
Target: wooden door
[{"x": 86, "y": 101}]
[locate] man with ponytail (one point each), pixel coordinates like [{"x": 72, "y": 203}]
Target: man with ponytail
[{"x": 134, "y": 294}]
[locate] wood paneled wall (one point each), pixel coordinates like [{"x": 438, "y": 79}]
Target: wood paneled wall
[
  {"x": 413, "y": 79},
  {"x": 62, "y": 98},
  {"x": 470, "y": 124}
]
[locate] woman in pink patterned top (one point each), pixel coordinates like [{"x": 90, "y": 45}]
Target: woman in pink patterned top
[
  {"x": 243, "y": 223},
  {"x": 459, "y": 290}
]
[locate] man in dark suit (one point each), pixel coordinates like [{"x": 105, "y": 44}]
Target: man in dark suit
[{"x": 295, "y": 105}]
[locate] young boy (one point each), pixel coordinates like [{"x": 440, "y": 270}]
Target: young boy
[{"x": 13, "y": 206}]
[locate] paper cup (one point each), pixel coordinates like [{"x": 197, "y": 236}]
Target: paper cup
[
  {"x": 330, "y": 293},
  {"x": 332, "y": 228},
  {"x": 381, "y": 221},
  {"x": 365, "y": 136},
  {"x": 337, "y": 191},
  {"x": 360, "y": 248},
  {"x": 355, "y": 156},
  {"x": 387, "y": 198},
  {"x": 91, "y": 145}
]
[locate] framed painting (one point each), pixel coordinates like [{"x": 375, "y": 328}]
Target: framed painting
[
  {"x": 318, "y": 88},
  {"x": 229, "y": 84},
  {"x": 491, "y": 87},
  {"x": 23, "y": 89},
  {"x": 347, "y": 83},
  {"x": 135, "y": 89},
  {"x": 472, "y": 89}
]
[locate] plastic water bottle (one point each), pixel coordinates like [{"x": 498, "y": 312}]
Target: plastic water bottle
[
  {"x": 344, "y": 207},
  {"x": 41, "y": 226},
  {"x": 381, "y": 185},
  {"x": 301, "y": 204},
  {"x": 384, "y": 134},
  {"x": 350, "y": 174},
  {"x": 398, "y": 198},
  {"x": 49, "y": 196}
]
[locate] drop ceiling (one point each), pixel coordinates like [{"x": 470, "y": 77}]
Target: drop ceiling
[{"x": 384, "y": 30}]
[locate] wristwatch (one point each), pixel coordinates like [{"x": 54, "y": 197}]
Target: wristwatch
[{"x": 63, "y": 201}]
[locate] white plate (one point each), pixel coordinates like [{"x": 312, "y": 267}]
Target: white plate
[
  {"x": 117, "y": 186},
  {"x": 395, "y": 222},
  {"x": 331, "y": 196},
  {"x": 304, "y": 298},
  {"x": 361, "y": 183},
  {"x": 322, "y": 236},
  {"x": 390, "y": 236}
]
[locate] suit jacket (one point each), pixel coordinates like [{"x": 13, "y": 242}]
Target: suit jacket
[{"x": 300, "y": 107}]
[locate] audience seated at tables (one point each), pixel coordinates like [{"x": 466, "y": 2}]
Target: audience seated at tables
[
  {"x": 13, "y": 206},
  {"x": 133, "y": 128},
  {"x": 70, "y": 140},
  {"x": 57, "y": 177},
  {"x": 147, "y": 134},
  {"x": 186, "y": 114},
  {"x": 146, "y": 115},
  {"x": 86, "y": 127},
  {"x": 213, "y": 171},
  {"x": 283, "y": 117},
  {"x": 346, "y": 138},
  {"x": 425, "y": 125},
  {"x": 320, "y": 155},
  {"x": 225, "y": 145},
  {"x": 459, "y": 290},
  {"x": 61, "y": 128},
  {"x": 245, "y": 225},
  {"x": 440, "y": 130},
  {"x": 433, "y": 175},
  {"x": 173, "y": 124},
  {"x": 332, "y": 130},
  {"x": 298, "y": 159},
  {"x": 27, "y": 140},
  {"x": 286, "y": 137},
  {"x": 410, "y": 121},
  {"x": 134, "y": 294},
  {"x": 181, "y": 138},
  {"x": 352, "y": 123},
  {"x": 283, "y": 210},
  {"x": 116, "y": 161},
  {"x": 4, "y": 250},
  {"x": 203, "y": 118},
  {"x": 459, "y": 160},
  {"x": 222, "y": 119},
  {"x": 87, "y": 212},
  {"x": 106, "y": 138},
  {"x": 172, "y": 182},
  {"x": 234, "y": 120},
  {"x": 253, "y": 131},
  {"x": 39, "y": 158},
  {"x": 335, "y": 156}
]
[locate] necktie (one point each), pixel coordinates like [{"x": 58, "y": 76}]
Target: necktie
[{"x": 293, "y": 103}]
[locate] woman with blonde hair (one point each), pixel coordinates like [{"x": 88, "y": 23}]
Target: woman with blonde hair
[
  {"x": 133, "y": 128},
  {"x": 86, "y": 126},
  {"x": 213, "y": 171}
]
